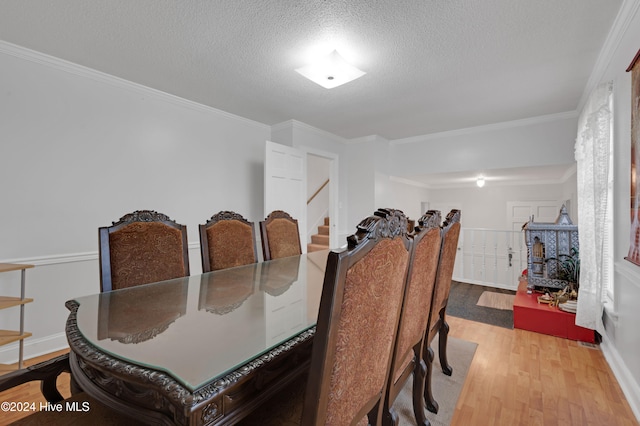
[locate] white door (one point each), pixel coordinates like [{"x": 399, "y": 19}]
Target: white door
[
  {"x": 285, "y": 184},
  {"x": 519, "y": 213}
]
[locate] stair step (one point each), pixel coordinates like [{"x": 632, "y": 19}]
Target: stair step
[
  {"x": 320, "y": 239},
  {"x": 326, "y": 221},
  {"x": 323, "y": 229},
  {"x": 316, "y": 247}
]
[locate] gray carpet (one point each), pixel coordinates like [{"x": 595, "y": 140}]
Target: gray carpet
[
  {"x": 446, "y": 389},
  {"x": 463, "y": 299}
]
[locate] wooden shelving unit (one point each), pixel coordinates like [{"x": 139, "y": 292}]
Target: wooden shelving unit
[{"x": 9, "y": 336}]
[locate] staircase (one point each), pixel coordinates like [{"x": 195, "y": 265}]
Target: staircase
[{"x": 320, "y": 241}]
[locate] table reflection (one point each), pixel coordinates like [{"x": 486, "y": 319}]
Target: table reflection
[
  {"x": 222, "y": 294},
  {"x": 277, "y": 277},
  {"x": 141, "y": 313}
]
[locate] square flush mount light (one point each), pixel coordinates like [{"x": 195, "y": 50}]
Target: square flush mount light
[{"x": 331, "y": 71}]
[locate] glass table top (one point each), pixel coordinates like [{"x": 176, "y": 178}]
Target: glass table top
[{"x": 202, "y": 327}]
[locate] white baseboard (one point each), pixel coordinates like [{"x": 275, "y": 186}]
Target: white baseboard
[
  {"x": 33, "y": 348},
  {"x": 629, "y": 387}
]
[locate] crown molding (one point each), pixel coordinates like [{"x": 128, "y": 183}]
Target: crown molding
[
  {"x": 409, "y": 182},
  {"x": 101, "y": 77},
  {"x": 489, "y": 127},
  {"x": 295, "y": 124}
]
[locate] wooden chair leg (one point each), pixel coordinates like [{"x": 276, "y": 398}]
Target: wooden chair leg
[
  {"x": 432, "y": 404},
  {"x": 443, "y": 335},
  {"x": 375, "y": 416},
  {"x": 389, "y": 417},
  {"x": 419, "y": 379}
]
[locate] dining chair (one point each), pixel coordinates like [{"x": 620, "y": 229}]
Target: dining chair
[
  {"x": 142, "y": 247},
  {"x": 407, "y": 355},
  {"x": 89, "y": 410},
  {"x": 280, "y": 236},
  {"x": 355, "y": 333},
  {"x": 437, "y": 323},
  {"x": 227, "y": 240}
]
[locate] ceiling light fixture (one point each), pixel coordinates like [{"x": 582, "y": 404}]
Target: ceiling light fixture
[
  {"x": 331, "y": 71},
  {"x": 480, "y": 182}
]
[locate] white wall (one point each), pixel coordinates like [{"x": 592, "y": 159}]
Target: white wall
[
  {"x": 538, "y": 141},
  {"x": 408, "y": 198},
  {"x": 487, "y": 207},
  {"x": 78, "y": 150},
  {"x": 570, "y": 194},
  {"x": 361, "y": 178}
]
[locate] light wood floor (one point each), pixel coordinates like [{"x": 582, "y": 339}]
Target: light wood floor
[
  {"x": 30, "y": 392},
  {"x": 516, "y": 378}
]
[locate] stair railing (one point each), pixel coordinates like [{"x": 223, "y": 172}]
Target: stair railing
[{"x": 326, "y": 182}]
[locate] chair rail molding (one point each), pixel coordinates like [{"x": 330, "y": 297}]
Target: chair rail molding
[{"x": 59, "y": 259}]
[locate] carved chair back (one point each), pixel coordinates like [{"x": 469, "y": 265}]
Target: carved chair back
[
  {"x": 437, "y": 321},
  {"x": 142, "y": 247},
  {"x": 357, "y": 323},
  {"x": 407, "y": 354},
  {"x": 280, "y": 236},
  {"x": 450, "y": 234},
  {"x": 227, "y": 240}
]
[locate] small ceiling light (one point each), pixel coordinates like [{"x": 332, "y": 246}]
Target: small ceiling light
[
  {"x": 331, "y": 71},
  {"x": 480, "y": 182}
]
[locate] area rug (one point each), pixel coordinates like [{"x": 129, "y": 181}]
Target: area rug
[
  {"x": 491, "y": 299},
  {"x": 463, "y": 303},
  {"x": 446, "y": 389}
]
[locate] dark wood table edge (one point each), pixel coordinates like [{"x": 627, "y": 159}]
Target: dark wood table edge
[{"x": 154, "y": 397}]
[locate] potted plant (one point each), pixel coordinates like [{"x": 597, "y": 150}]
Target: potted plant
[{"x": 568, "y": 269}]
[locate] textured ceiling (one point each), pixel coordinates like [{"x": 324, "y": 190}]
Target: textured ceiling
[{"x": 431, "y": 65}]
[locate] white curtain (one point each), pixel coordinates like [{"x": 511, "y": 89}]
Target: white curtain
[{"x": 592, "y": 151}]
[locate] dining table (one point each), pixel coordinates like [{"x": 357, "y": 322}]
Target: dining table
[{"x": 200, "y": 350}]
